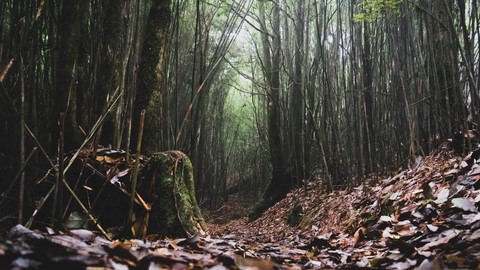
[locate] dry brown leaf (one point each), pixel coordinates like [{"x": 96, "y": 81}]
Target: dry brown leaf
[
  {"x": 359, "y": 236},
  {"x": 442, "y": 196},
  {"x": 254, "y": 264}
]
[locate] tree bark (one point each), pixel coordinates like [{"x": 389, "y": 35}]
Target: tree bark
[
  {"x": 367, "y": 102},
  {"x": 280, "y": 183},
  {"x": 110, "y": 72},
  {"x": 297, "y": 107},
  {"x": 152, "y": 75},
  {"x": 66, "y": 91}
]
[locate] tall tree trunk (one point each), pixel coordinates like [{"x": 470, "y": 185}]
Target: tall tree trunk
[
  {"x": 367, "y": 102},
  {"x": 280, "y": 183},
  {"x": 112, "y": 56},
  {"x": 152, "y": 74},
  {"x": 469, "y": 59},
  {"x": 297, "y": 97},
  {"x": 66, "y": 91}
]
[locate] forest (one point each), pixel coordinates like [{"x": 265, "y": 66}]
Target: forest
[{"x": 250, "y": 100}]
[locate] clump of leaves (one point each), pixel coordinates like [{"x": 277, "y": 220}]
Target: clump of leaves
[{"x": 372, "y": 9}]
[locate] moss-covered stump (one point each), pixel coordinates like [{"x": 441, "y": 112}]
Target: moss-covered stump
[
  {"x": 167, "y": 185},
  {"x": 165, "y": 203}
]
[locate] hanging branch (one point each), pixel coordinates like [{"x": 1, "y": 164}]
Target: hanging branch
[{"x": 39, "y": 10}]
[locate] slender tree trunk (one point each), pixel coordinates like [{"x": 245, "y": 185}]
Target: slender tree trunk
[
  {"x": 280, "y": 182},
  {"x": 469, "y": 60},
  {"x": 367, "y": 101},
  {"x": 297, "y": 107}
]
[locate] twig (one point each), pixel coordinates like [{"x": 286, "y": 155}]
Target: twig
[
  {"x": 85, "y": 210},
  {"x": 135, "y": 170},
  {"x": 138, "y": 199},
  {"x": 5, "y": 70},
  {"x": 57, "y": 198},
  {"x": 21, "y": 193},
  {"x": 129, "y": 128},
  {"x": 29, "y": 131},
  {"x": 94, "y": 129},
  {"x": 40, "y": 205},
  {"x": 18, "y": 174}
]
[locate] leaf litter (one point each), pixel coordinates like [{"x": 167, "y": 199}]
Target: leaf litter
[{"x": 423, "y": 217}]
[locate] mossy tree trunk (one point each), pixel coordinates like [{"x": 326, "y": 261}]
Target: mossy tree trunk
[{"x": 152, "y": 75}]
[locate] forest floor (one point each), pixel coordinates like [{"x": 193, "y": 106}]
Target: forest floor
[{"x": 422, "y": 217}]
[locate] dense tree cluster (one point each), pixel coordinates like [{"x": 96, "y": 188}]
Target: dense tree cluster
[
  {"x": 358, "y": 87},
  {"x": 333, "y": 89}
]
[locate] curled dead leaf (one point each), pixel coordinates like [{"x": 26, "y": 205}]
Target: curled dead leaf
[{"x": 359, "y": 236}]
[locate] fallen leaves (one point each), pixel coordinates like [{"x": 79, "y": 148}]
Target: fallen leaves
[
  {"x": 464, "y": 204},
  {"x": 27, "y": 249},
  {"x": 425, "y": 217}
]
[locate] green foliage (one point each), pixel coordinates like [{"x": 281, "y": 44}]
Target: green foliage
[{"x": 372, "y": 9}]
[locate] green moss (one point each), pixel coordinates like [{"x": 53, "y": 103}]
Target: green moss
[
  {"x": 166, "y": 201},
  {"x": 175, "y": 211}
]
